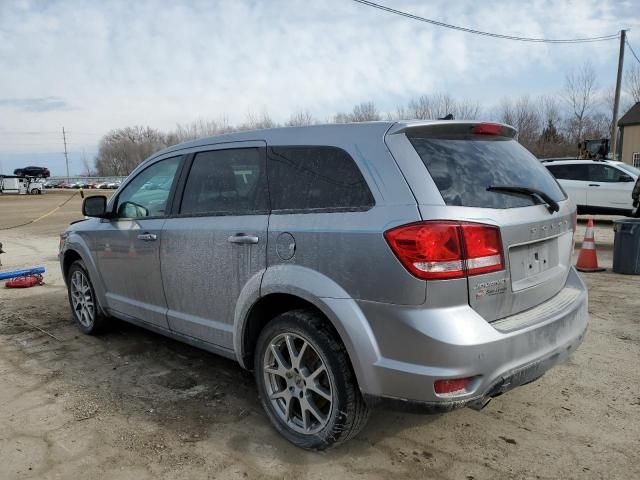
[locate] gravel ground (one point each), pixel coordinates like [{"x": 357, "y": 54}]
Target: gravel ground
[{"x": 134, "y": 405}]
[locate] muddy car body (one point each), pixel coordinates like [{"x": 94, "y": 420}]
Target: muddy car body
[{"x": 426, "y": 262}]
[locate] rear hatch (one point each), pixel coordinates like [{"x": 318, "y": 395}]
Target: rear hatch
[{"x": 479, "y": 173}]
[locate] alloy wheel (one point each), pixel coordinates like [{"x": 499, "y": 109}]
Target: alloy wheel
[
  {"x": 82, "y": 299},
  {"x": 297, "y": 383}
]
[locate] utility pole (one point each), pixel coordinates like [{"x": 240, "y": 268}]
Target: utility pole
[
  {"x": 66, "y": 156},
  {"x": 616, "y": 102}
]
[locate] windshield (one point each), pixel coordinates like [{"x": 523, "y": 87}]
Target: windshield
[
  {"x": 632, "y": 170},
  {"x": 464, "y": 166}
]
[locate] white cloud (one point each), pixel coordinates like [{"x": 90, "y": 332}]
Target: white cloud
[{"x": 158, "y": 62}]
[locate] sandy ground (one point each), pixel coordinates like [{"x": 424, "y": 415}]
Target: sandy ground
[{"x": 134, "y": 405}]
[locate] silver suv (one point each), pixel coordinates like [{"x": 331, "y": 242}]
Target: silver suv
[{"x": 425, "y": 262}]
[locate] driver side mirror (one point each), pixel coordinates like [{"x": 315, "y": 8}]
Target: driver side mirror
[
  {"x": 95, "y": 206},
  {"x": 626, "y": 178}
]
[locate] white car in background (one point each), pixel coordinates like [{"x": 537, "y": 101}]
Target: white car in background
[{"x": 596, "y": 186}]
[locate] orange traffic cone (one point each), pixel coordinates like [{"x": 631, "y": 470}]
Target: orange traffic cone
[{"x": 588, "y": 258}]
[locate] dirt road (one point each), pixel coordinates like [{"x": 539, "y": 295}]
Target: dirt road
[{"x": 133, "y": 405}]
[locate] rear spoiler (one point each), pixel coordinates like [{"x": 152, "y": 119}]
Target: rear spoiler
[{"x": 436, "y": 127}]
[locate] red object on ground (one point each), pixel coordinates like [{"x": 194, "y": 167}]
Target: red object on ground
[
  {"x": 25, "y": 281},
  {"x": 588, "y": 258}
]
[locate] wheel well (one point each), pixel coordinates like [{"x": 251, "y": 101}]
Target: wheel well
[
  {"x": 265, "y": 310},
  {"x": 70, "y": 256}
]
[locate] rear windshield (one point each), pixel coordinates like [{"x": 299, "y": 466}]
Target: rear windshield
[{"x": 463, "y": 167}]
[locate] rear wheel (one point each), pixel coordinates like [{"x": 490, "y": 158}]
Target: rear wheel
[
  {"x": 306, "y": 383},
  {"x": 82, "y": 298}
]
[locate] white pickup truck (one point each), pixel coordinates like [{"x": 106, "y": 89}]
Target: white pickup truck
[{"x": 21, "y": 185}]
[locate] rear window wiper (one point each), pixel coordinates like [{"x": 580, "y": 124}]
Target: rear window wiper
[{"x": 539, "y": 195}]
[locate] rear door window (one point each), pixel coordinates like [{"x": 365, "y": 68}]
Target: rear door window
[
  {"x": 226, "y": 182},
  {"x": 308, "y": 178},
  {"x": 570, "y": 172},
  {"x": 464, "y": 166}
]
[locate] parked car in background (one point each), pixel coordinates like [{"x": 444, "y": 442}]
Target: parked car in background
[
  {"x": 103, "y": 185},
  {"x": 114, "y": 185},
  {"x": 40, "y": 172},
  {"x": 596, "y": 186},
  {"x": 425, "y": 262}
]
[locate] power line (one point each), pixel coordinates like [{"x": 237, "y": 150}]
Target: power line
[
  {"x": 487, "y": 34},
  {"x": 631, "y": 50}
]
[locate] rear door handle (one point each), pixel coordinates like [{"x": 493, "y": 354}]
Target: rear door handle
[
  {"x": 243, "y": 239},
  {"x": 148, "y": 237},
  {"x": 594, "y": 185}
]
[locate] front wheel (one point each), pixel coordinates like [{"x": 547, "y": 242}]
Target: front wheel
[
  {"x": 82, "y": 298},
  {"x": 306, "y": 382}
]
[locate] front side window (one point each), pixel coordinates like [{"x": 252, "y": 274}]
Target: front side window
[
  {"x": 304, "y": 178},
  {"x": 605, "y": 173},
  {"x": 148, "y": 193},
  {"x": 226, "y": 182}
]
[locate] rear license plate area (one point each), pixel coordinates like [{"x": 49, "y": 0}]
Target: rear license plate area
[{"x": 529, "y": 263}]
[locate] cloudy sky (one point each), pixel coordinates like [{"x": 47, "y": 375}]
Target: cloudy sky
[{"x": 92, "y": 66}]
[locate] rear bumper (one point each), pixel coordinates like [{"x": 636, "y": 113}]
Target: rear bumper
[{"x": 417, "y": 347}]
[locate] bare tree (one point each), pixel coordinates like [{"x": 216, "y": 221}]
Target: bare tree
[
  {"x": 362, "y": 112},
  {"x": 439, "y": 105},
  {"x": 88, "y": 170},
  {"x": 632, "y": 80},
  {"x": 300, "y": 119},
  {"x": 580, "y": 92},
  {"x": 121, "y": 150},
  {"x": 198, "y": 129},
  {"x": 258, "y": 121},
  {"x": 552, "y": 142},
  {"x": 467, "y": 110},
  {"x": 525, "y": 117},
  {"x": 365, "y": 112}
]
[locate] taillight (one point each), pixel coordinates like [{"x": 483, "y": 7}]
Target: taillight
[
  {"x": 446, "y": 249},
  {"x": 487, "y": 129}
]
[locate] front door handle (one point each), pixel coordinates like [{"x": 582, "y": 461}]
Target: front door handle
[
  {"x": 148, "y": 237},
  {"x": 243, "y": 239},
  {"x": 594, "y": 185}
]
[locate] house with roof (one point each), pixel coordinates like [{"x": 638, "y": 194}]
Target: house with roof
[{"x": 630, "y": 136}]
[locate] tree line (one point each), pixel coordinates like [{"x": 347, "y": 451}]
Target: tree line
[{"x": 548, "y": 125}]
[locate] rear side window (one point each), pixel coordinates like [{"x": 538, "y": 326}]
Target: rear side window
[
  {"x": 305, "y": 178},
  {"x": 226, "y": 182},
  {"x": 570, "y": 172},
  {"x": 464, "y": 166}
]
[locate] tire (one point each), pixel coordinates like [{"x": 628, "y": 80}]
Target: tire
[
  {"x": 286, "y": 385},
  {"x": 85, "y": 309}
]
